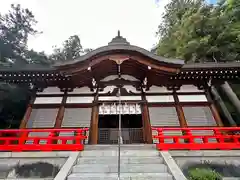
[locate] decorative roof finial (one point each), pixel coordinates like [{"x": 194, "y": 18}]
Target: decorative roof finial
[{"x": 118, "y": 40}]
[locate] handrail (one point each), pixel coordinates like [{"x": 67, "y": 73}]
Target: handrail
[
  {"x": 44, "y": 130},
  {"x": 23, "y": 140},
  {"x": 198, "y": 128},
  {"x": 120, "y": 141},
  {"x": 224, "y": 138}
]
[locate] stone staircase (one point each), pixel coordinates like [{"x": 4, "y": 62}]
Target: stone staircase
[{"x": 138, "y": 162}]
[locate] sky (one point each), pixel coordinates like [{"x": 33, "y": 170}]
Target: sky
[
  {"x": 95, "y": 21},
  {"x": 212, "y": 1}
]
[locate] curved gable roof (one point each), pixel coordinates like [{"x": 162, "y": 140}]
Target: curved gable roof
[{"x": 120, "y": 44}]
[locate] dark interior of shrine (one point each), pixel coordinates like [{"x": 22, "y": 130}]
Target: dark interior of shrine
[
  {"x": 127, "y": 121},
  {"x": 132, "y": 131}
]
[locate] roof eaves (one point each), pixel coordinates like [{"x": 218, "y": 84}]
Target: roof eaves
[{"x": 122, "y": 47}]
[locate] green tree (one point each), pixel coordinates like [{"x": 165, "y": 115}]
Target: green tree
[
  {"x": 198, "y": 32},
  {"x": 38, "y": 58},
  {"x": 13, "y": 103},
  {"x": 195, "y": 31},
  {"x": 15, "y": 28},
  {"x": 71, "y": 49}
]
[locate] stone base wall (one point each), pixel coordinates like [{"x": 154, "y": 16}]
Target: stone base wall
[
  {"x": 225, "y": 162},
  {"x": 25, "y": 165}
]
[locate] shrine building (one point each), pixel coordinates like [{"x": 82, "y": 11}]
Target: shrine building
[{"x": 124, "y": 81}]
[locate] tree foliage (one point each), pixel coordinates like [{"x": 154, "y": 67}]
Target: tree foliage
[
  {"x": 199, "y": 32},
  {"x": 13, "y": 103},
  {"x": 195, "y": 31},
  {"x": 71, "y": 49},
  {"x": 15, "y": 28},
  {"x": 38, "y": 58}
]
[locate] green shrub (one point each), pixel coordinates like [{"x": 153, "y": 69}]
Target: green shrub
[{"x": 203, "y": 174}]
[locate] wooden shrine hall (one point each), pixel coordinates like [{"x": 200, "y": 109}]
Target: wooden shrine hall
[{"x": 146, "y": 90}]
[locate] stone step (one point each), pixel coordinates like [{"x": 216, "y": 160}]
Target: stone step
[
  {"x": 126, "y": 168},
  {"x": 124, "y": 153},
  {"x": 123, "y": 147},
  {"x": 124, "y": 160},
  {"x": 124, "y": 176},
  {"x": 30, "y": 179}
]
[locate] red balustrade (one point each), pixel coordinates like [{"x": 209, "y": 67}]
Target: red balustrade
[
  {"x": 222, "y": 138},
  {"x": 42, "y": 139}
]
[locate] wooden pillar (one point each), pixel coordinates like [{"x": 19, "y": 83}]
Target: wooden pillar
[
  {"x": 60, "y": 114},
  {"x": 213, "y": 108},
  {"x": 143, "y": 124},
  {"x": 26, "y": 117},
  {"x": 180, "y": 113},
  {"x": 94, "y": 121},
  {"x": 146, "y": 121},
  {"x": 181, "y": 116},
  {"x": 216, "y": 115},
  {"x": 28, "y": 112}
]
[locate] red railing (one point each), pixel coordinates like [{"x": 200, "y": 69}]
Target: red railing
[
  {"x": 42, "y": 139},
  {"x": 225, "y": 138}
]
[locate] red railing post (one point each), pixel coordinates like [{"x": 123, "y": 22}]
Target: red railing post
[
  {"x": 79, "y": 136},
  {"x": 205, "y": 139},
  {"x": 236, "y": 139},
  {"x": 160, "y": 135},
  {"x": 176, "y": 139},
  {"x": 190, "y": 138},
  {"x": 50, "y": 137},
  {"x": 218, "y": 135},
  {"x": 23, "y": 137}
]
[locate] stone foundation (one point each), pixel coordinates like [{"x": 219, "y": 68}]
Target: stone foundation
[{"x": 224, "y": 162}]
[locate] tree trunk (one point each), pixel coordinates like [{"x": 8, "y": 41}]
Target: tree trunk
[
  {"x": 223, "y": 107},
  {"x": 231, "y": 95}
]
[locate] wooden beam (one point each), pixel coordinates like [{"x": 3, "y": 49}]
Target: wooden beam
[
  {"x": 180, "y": 113},
  {"x": 28, "y": 112},
  {"x": 60, "y": 114},
  {"x": 213, "y": 109},
  {"x": 26, "y": 117},
  {"x": 147, "y": 129},
  {"x": 93, "y": 134},
  {"x": 216, "y": 115},
  {"x": 129, "y": 94}
]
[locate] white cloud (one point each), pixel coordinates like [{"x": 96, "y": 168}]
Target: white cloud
[{"x": 95, "y": 21}]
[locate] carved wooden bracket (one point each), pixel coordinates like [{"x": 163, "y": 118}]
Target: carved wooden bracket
[
  {"x": 40, "y": 86},
  {"x": 119, "y": 59},
  {"x": 66, "y": 89},
  {"x": 40, "y": 89},
  {"x": 202, "y": 86},
  {"x": 173, "y": 87}
]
